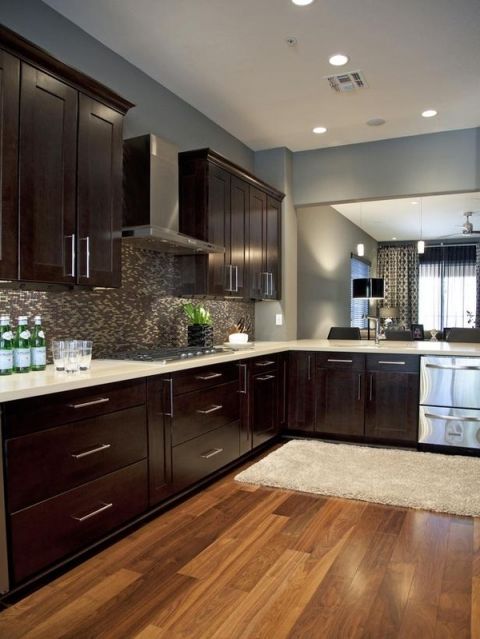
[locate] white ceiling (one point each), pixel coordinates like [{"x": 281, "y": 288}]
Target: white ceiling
[
  {"x": 229, "y": 59},
  {"x": 429, "y": 218}
]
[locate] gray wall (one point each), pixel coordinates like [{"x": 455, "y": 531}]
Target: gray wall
[
  {"x": 326, "y": 240},
  {"x": 157, "y": 109},
  {"x": 276, "y": 167},
  {"x": 416, "y": 165}
]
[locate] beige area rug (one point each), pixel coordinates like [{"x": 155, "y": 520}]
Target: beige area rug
[{"x": 443, "y": 483}]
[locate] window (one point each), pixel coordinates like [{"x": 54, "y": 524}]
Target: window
[
  {"x": 358, "y": 307},
  {"x": 446, "y": 286}
]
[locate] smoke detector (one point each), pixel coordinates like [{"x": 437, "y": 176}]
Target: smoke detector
[{"x": 347, "y": 82}]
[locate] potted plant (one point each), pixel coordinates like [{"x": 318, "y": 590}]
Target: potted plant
[{"x": 200, "y": 329}]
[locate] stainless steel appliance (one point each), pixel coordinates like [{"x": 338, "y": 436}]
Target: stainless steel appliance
[
  {"x": 163, "y": 355},
  {"x": 150, "y": 185},
  {"x": 450, "y": 401}
]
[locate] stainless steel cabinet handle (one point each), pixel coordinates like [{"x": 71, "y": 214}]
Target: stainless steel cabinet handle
[
  {"x": 93, "y": 513},
  {"x": 342, "y": 361},
  {"x": 244, "y": 390},
  {"x": 270, "y": 284},
  {"x": 209, "y": 376},
  {"x": 267, "y": 362},
  {"x": 87, "y": 254},
  {"x": 359, "y": 388},
  {"x": 454, "y": 368},
  {"x": 265, "y": 377},
  {"x": 452, "y": 418},
  {"x": 170, "y": 383},
  {"x": 370, "y": 394},
  {"x": 388, "y": 362},
  {"x": 309, "y": 371},
  {"x": 212, "y": 453},
  {"x": 102, "y": 400},
  {"x": 213, "y": 409},
  {"x": 264, "y": 277},
  {"x": 284, "y": 390},
  {"x": 92, "y": 451},
  {"x": 72, "y": 249},
  {"x": 235, "y": 287},
  {"x": 229, "y": 286}
]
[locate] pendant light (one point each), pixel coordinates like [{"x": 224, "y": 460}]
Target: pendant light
[
  {"x": 361, "y": 245},
  {"x": 421, "y": 243}
]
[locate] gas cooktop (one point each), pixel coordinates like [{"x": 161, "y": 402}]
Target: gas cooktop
[{"x": 164, "y": 355}]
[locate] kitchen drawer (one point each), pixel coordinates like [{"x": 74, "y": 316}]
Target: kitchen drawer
[
  {"x": 52, "y": 461},
  {"x": 55, "y": 528},
  {"x": 352, "y": 361},
  {"x": 204, "y": 377},
  {"x": 398, "y": 363},
  {"x": 203, "y": 455},
  {"x": 263, "y": 364},
  {"x": 38, "y": 413},
  {"x": 199, "y": 412}
]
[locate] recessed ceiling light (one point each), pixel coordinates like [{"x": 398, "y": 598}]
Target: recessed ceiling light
[
  {"x": 338, "y": 59},
  {"x": 375, "y": 122},
  {"x": 302, "y": 3},
  {"x": 413, "y": 203},
  {"x": 429, "y": 113},
  {"x": 394, "y": 238},
  {"x": 319, "y": 129}
]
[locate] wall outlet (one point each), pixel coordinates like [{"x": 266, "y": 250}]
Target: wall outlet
[{"x": 278, "y": 319}]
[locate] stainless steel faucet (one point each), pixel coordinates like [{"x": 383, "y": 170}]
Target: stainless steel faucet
[{"x": 377, "y": 328}]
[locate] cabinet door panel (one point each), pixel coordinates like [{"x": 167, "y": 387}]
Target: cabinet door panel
[
  {"x": 264, "y": 391},
  {"x": 218, "y": 214},
  {"x": 99, "y": 194},
  {"x": 301, "y": 391},
  {"x": 159, "y": 439},
  {"x": 256, "y": 238},
  {"x": 48, "y": 157},
  {"x": 9, "y": 100},
  {"x": 392, "y": 406},
  {"x": 340, "y": 401},
  {"x": 238, "y": 236},
  {"x": 273, "y": 222}
]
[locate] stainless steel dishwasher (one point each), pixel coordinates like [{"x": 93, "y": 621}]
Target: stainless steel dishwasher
[{"x": 450, "y": 401}]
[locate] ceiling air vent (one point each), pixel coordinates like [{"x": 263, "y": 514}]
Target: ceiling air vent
[{"x": 346, "y": 82}]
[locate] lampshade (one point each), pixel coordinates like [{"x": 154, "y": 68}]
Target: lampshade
[
  {"x": 389, "y": 312},
  {"x": 368, "y": 288}
]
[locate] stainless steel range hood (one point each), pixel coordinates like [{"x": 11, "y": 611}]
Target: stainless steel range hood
[{"x": 150, "y": 208}]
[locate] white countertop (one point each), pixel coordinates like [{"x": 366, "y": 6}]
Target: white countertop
[{"x": 21, "y": 386}]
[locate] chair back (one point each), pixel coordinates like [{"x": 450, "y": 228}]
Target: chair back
[
  {"x": 344, "y": 332},
  {"x": 399, "y": 336},
  {"x": 463, "y": 335}
]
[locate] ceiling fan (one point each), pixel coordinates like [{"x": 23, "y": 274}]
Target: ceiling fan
[{"x": 467, "y": 226}]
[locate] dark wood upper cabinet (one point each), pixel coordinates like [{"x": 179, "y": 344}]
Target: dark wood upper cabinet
[
  {"x": 47, "y": 184},
  {"x": 9, "y": 104},
  {"x": 99, "y": 193},
  {"x": 226, "y": 205},
  {"x": 62, "y": 132}
]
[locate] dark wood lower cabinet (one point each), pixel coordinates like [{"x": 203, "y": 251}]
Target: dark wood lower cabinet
[
  {"x": 159, "y": 399},
  {"x": 264, "y": 412},
  {"x": 301, "y": 391}
]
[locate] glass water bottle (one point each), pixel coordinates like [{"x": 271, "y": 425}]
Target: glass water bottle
[
  {"x": 6, "y": 346},
  {"x": 38, "y": 345},
  {"x": 21, "y": 347}
]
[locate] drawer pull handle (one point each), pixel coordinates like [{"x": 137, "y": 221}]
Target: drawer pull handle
[
  {"x": 93, "y": 513},
  {"x": 92, "y": 451},
  {"x": 210, "y": 376},
  {"x": 452, "y": 418},
  {"x": 213, "y": 409},
  {"x": 388, "y": 362},
  {"x": 102, "y": 400},
  {"x": 341, "y": 361},
  {"x": 265, "y": 377},
  {"x": 265, "y": 363},
  {"x": 212, "y": 453}
]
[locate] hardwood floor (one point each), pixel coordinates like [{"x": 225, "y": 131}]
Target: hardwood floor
[{"x": 238, "y": 562}]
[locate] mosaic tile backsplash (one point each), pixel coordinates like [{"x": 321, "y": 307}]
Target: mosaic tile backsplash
[{"x": 144, "y": 312}]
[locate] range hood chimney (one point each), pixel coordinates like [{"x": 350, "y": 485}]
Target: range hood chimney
[{"x": 150, "y": 200}]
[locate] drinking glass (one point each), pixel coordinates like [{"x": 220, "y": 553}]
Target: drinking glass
[
  {"x": 71, "y": 356},
  {"x": 84, "y": 353},
  {"x": 58, "y": 353}
]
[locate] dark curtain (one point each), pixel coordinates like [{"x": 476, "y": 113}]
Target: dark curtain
[
  {"x": 398, "y": 265},
  {"x": 447, "y": 286}
]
